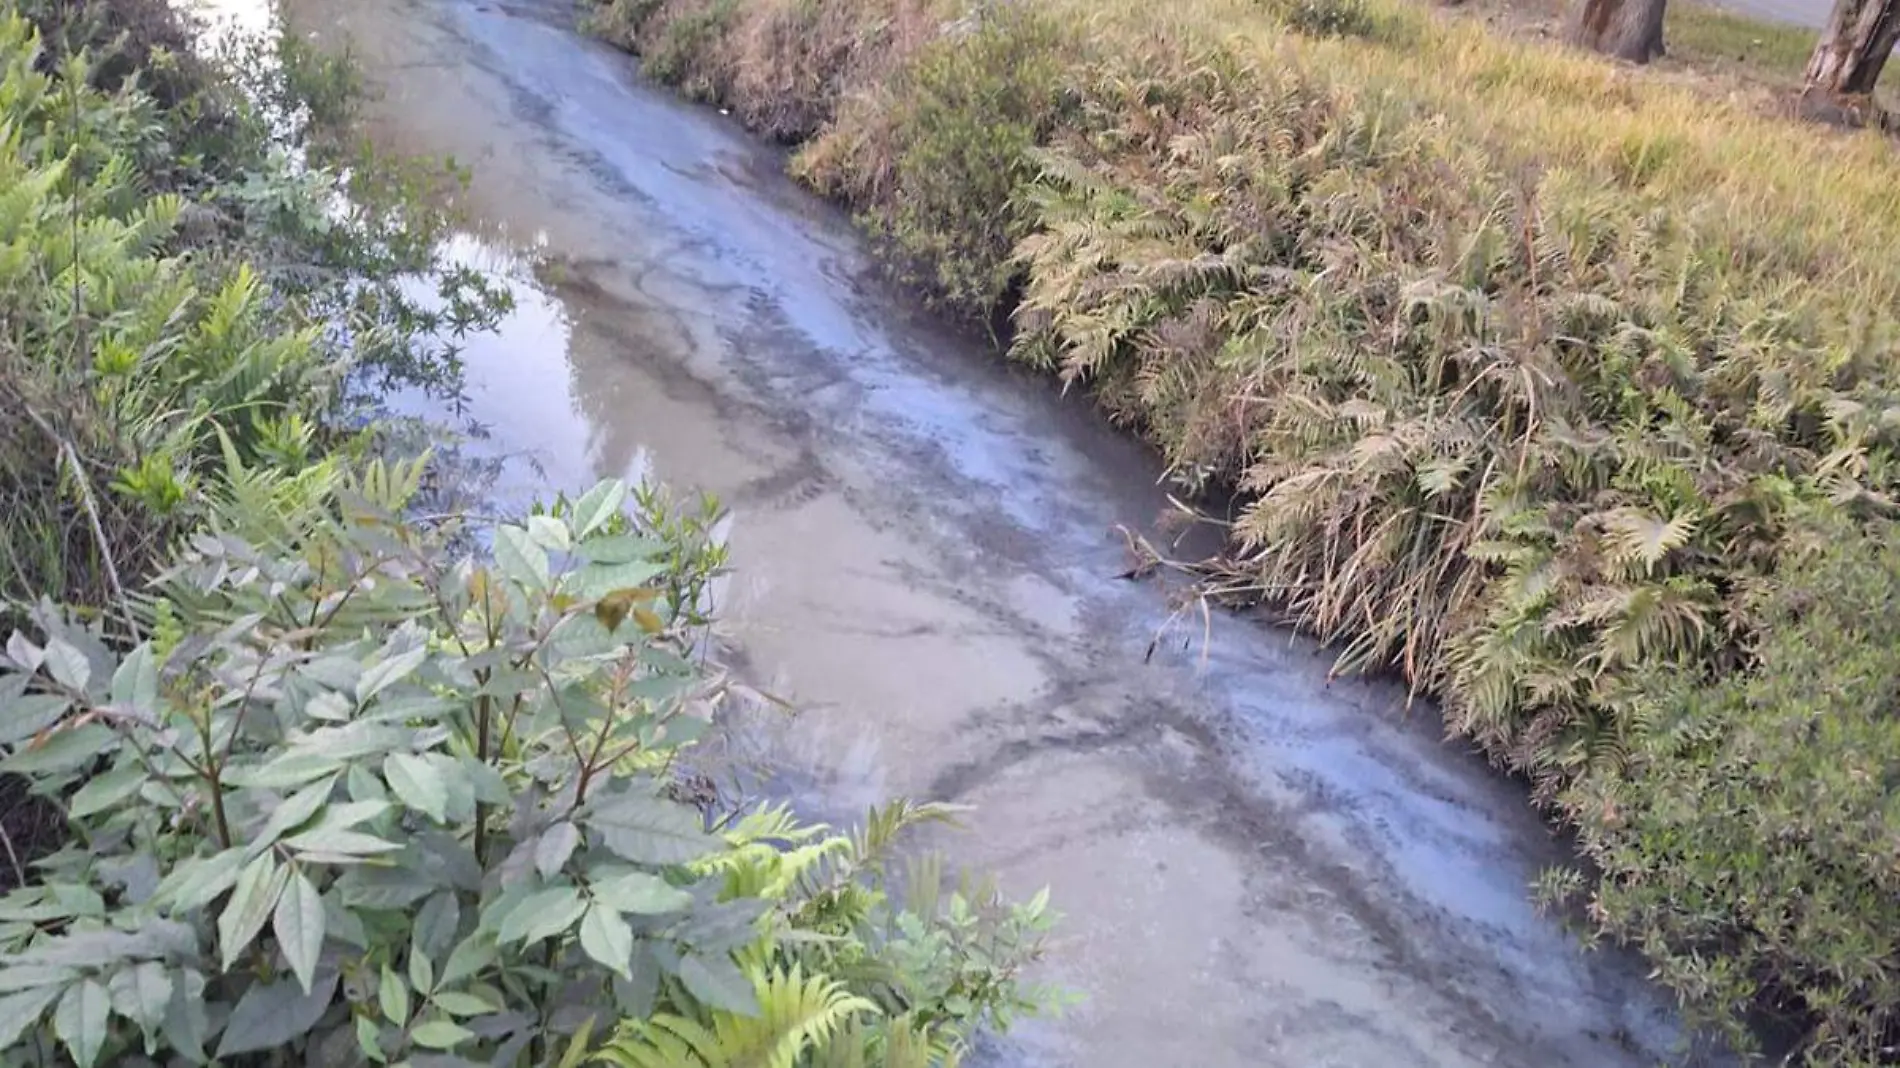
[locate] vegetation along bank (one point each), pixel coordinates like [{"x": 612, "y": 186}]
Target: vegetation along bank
[
  {"x": 1564, "y": 390},
  {"x": 289, "y": 774}
]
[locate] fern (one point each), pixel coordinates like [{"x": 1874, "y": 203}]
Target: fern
[
  {"x": 797, "y": 1014},
  {"x": 1636, "y": 538}
]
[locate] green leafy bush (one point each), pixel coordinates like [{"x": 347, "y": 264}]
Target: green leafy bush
[
  {"x": 360, "y": 800},
  {"x": 120, "y": 365},
  {"x": 1757, "y": 828},
  {"x": 1330, "y": 18},
  {"x": 955, "y": 131},
  {"x": 174, "y": 285}
]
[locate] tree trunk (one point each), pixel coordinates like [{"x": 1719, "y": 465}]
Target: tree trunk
[
  {"x": 1859, "y": 37},
  {"x": 1626, "y": 29}
]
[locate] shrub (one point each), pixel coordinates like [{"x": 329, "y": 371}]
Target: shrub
[
  {"x": 206, "y": 304},
  {"x": 131, "y": 387},
  {"x": 1754, "y": 842},
  {"x": 360, "y": 799},
  {"x": 1330, "y": 18},
  {"x": 958, "y": 123}
]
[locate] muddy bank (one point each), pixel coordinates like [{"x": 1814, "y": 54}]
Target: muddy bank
[{"x": 1256, "y": 868}]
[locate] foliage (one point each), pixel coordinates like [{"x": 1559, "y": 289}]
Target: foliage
[
  {"x": 357, "y": 800},
  {"x": 1330, "y": 18},
  {"x": 1757, "y": 824},
  {"x": 956, "y": 126},
  {"x": 176, "y": 285},
  {"x": 1522, "y": 361},
  {"x": 118, "y": 366}
]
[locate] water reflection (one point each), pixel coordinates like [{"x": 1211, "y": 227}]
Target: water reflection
[{"x": 516, "y": 408}]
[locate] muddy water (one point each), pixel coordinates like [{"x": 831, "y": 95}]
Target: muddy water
[{"x": 1256, "y": 868}]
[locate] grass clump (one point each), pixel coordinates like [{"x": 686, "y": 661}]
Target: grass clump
[{"x": 1531, "y": 366}]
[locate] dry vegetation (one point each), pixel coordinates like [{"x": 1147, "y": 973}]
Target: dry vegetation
[{"x": 1535, "y": 369}]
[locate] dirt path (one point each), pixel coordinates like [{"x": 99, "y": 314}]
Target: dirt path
[{"x": 1257, "y": 869}]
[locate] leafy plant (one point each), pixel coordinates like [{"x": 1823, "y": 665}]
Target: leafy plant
[
  {"x": 178, "y": 286},
  {"x": 358, "y": 800},
  {"x": 1765, "y": 799}
]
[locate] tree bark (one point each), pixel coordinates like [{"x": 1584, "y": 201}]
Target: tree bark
[
  {"x": 1859, "y": 37},
  {"x": 1626, "y": 29}
]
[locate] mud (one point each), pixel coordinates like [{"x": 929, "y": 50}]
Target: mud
[{"x": 1257, "y": 868}]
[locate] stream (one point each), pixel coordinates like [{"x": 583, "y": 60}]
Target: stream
[{"x": 1255, "y": 867}]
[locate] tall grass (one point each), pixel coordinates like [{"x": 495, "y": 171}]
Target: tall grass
[{"x": 1531, "y": 365}]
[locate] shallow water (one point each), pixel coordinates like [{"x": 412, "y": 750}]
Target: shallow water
[{"x": 1256, "y": 867}]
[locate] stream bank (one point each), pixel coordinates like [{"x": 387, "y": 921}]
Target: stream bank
[{"x": 1257, "y": 867}]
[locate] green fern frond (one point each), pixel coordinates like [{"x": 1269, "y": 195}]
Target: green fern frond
[
  {"x": 798, "y": 1013},
  {"x": 1633, "y": 536}
]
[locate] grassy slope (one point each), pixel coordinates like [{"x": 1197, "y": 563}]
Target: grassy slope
[{"x": 1533, "y": 365}]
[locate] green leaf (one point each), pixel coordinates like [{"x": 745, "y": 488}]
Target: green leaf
[
  {"x": 350, "y": 813},
  {"x": 475, "y": 952},
  {"x": 68, "y": 666},
  {"x": 21, "y": 1011},
  {"x": 621, "y": 549},
  {"x": 24, "y": 652},
  {"x": 364, "y": 786},
  {"x": 101, "y": 792},
  {"x": 63, "y": 750},
  {"x": 18, "y": 977},
  {"x": 650, "y": 830},
  {"x": 273, "y": 1015},
  {"x": 329, "y": 706},
  {"x": 577, "y": 1046},
  {"x": 441, "y": 1034},
  {"x": 639, "y": 892},
  {"x": 607, "y": 938},
  {"x": 418, "y": 784},
  {"x": 547, "y": 911},
  {"x": 135, "y": 683},
  {"x": 251, "y": 903},
  {"x": 339, "y": 842},
  {"x": 294, "y": 768},
  {"x": 549, "y": 533},
  {"x": 597, "y": 507},
  {"x": 298, "y": 924},
  {"x": 456, "y": 1003},
  {"x": 393, "y": 997},
  {"x": 80, "y": 1020},
  {"x": 196, "y": 881},
  {"x": 600, "y": 580},
  {"x": 291, "y": 813},
  {"x": 24, "y": 717},
  {"x": 490, "y": 788},
  {"x": 555, "y": 845},
  {"x": 185, "y": 1024},
  {"x": 369, "y": 1039},
  {"x": 718, "y": 983},
  {"x": 520, "y": 558},
  {"x": 436, "y": 924},
  {"x": 141, "y": 994},
  {"x": 421, "y": 971},
  {"x": 386, "y": 673}
]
